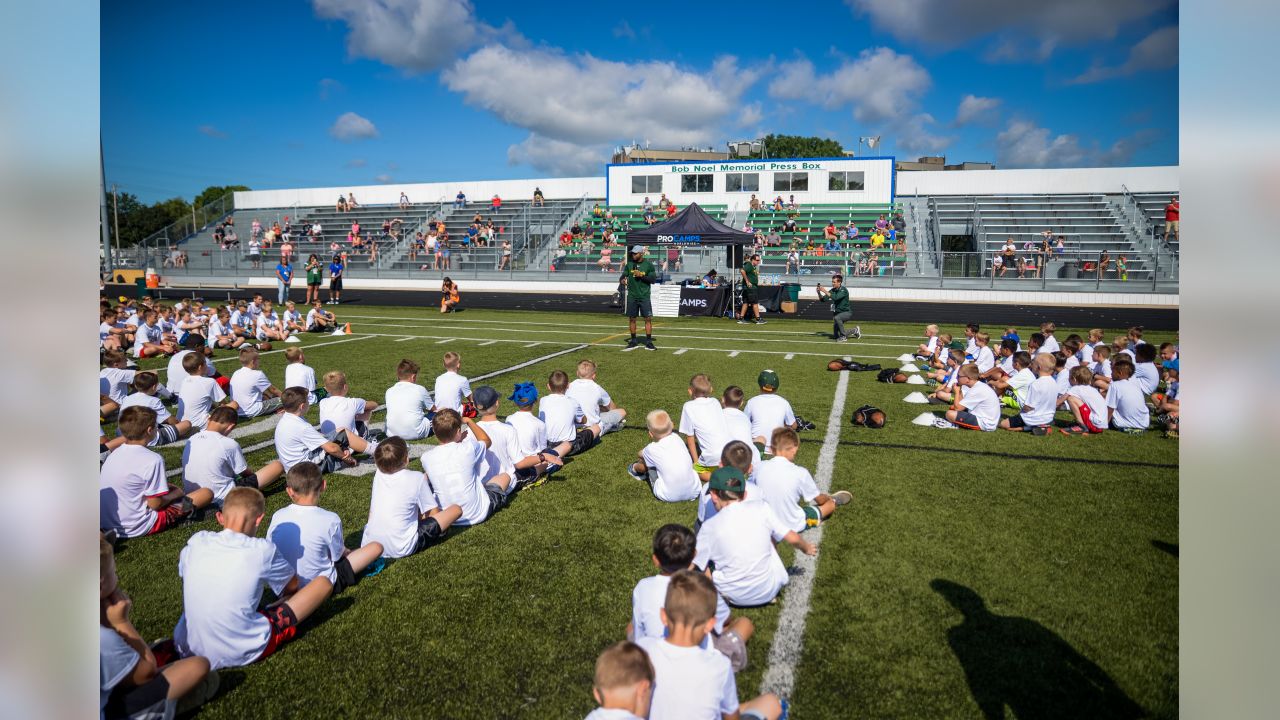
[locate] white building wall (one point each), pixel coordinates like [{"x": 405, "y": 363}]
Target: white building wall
[
  {"x": 476, "y": 190},
  {"x": 877, "y": 181},
  {"x": 1033, "y": 182}
]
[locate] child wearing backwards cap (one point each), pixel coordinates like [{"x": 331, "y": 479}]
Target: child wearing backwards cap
[
  {"x": 769, "y": 411},
  {"x": 531, "y": 431},
  {"x": 504, "y": 454}
]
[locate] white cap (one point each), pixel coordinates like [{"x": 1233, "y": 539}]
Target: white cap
[
  {"x": 915, "y": 380},
  {"x": 925, "y": 419},
  {"x": 916, "y": 398},
  {"x": 909, "y": 367}
]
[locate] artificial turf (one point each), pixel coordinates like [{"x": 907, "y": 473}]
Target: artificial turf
[{"x": 972, "y": 571}]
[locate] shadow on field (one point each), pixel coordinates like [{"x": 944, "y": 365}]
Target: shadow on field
[
  {"x": 1019, "y": 664},
  {"x": 1171, "y": 548},
  {"x": 1012, "y": 456}
]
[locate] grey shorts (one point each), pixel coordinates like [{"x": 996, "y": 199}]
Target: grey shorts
[
  {"x": 637, "y": 307},
  {"x": 327, "y": 462},
  {"x": 269, "y": 407},
  {"x": 165, "y": 434},
  {"x": 732, "y": 647}
]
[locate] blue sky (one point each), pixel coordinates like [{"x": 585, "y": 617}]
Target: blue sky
[{"x": 341, "y": 92}]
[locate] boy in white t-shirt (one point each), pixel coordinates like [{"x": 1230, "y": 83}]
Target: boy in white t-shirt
[
  {"x": 597, "y": 407},
  {"x": 983, "y": 357},
  {"x": 564, "y": 417},
  {"x": 703, "y": 425},
  {"x": 168, "y": 428},
  {"x": 310, "y": 537},
  {"x": 623, "y": 684},
  {"x": 784, "y": 485},
  {"x": 1101, "y": 366},
  {"x": 768, "y": 411},
  {"x": 739, "y": 539},
  {"x": 1086, "y": 351},
  {"x": 1012, "y": 388},
  {"x": 148, "y": 338},
  {"x": 531, "y": 432},
  {"x": 199, "y": 393},
  {"x": 267, "y": 324},
  {"x": 292, "y": 319},
  {"x": 1004, "y": 361},
  {"x": 339, "y": 412},
  {"x": 946, "y": 377},
  {"x": 504, "y": 454},
  {"x": 736, "y": 422},
  {"x": 692, "y": 682},
  {"x": 674, "y": 547},
  {"x": 1036, "y": 416},
  {"x": 971, "y": 344},
  {"x": 1086, "y": 404},
  {"x": 1126, "y": 405},
  {"x": 115, "y": 378},
  {"x": 223, "y": 575},
  {"x": 403, "y": 513},
  {"x": 250, "y": 388},
  {"x": 319, "y": 319},
  {"x": 976, "y": 406},
  {"x": 212, "y": 459},
  {"x": 222, "y": 333},
  {"x": 452, "y": 389},
  {"x": 1145, "y": 372},
  {"x": 408, "y": 404},
  {"x": 926, "y": 349},
  {"x": 134, "y": 499},
  {"x": 736, "y": 454},
  {"x": 1050, "y": 344},
  {"x": 456, "y": 469},
  {"x": 297, "y": 441},
  {"x": 299, "y": 374},
  {"x": 176, "y": 374},
  {"x": 665, "y": 463}
]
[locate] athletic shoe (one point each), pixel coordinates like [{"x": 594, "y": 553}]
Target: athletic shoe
[
  {"x": 743, "y": 321},
  {"x": 648, "y": 345},
  {"x": 944, "y": 424},
  {"x": 857, "y": 331},
  {"x": 1075, "y": 430},
  {"x": 1010, "y": 401},
  {"x": 842, "y": 338},
  {"x": 761, "y": 322},
  {"x": 1042, "y": 430},
  {"x": 201, "y": 694},
  {"x": 632, "y": 342},
  {"x": 842, "y": 497},
  {"x": 802, "y": 424},
  {"x": 631, "y": 470},
  {"x": 786, "y": 708},
  {"x": 375, "y": 567}
]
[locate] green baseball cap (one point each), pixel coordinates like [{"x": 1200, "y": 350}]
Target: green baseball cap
[
  {"x": 768, "y": 378},
  {"x": 728, "y": 478}
]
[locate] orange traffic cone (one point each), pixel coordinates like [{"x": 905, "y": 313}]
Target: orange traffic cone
[{"x": 346, "y": 329}]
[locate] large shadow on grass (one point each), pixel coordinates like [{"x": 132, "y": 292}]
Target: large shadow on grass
[{"x": 1017, "y": 667}]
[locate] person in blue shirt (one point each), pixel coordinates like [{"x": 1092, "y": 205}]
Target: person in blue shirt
[
  {"x": 336, "y": 270},
  {"x": 460, "y": 200},
  {"x": 833, "y": 246},
  {"x": 284, "y": 276}
]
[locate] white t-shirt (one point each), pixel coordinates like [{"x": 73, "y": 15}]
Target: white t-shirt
[
  {"x": 247, "y": 386},
  {"x": 931, "y": 345},
  {"x": 116, "y": 660},
  {"x": 1071, "y": 363},
  {"x": 1130, "y": 405},
  {"x": 130, "y": 475},
  {"x": 297, "y": 441},
  {"x": 114, "y": 382},
  {"x": 601, "y": 713},
  {"x": 690, "y": 683},
  {"x": 783, "y": 485},
  {"x": 267, "y": 322},
  {"x": 703, "y": 418},
  {"x": 504, "y": 448},
  {"x": 1050, "y": 344},
  {"x": 740, "y": 540},
  {"x": 211, "y": 460},
  {"x": 984, "y": 358},
  {"x": 339, "y": 413},
  {"x": 971, "y": 346},
  {"x": 223, "y": 575},
  {"x": 650, "y": 596},
  {"x": 450, "y": 389},
  {"x": 561, "y": 414},
  {"x": 310, "y": 539},
  {"x": 456, "y": 473},
  {"x": 591, "y": 397},
  {"x": 143, "y": 335},
  {"x": 1085, "y": 353},
  {"x": 1019, "y": 382},
  {"x": 1006, "y": 364},
  {"x": 981, "y": 400},
  {"x": 768, "y": 412},
  {"x": 198, "y": 396},
  {"x": 303, "y": 376},
  {"x": 1102, "y": 368},
  {"x": 175, "y": 375},
  {"x": 151, "y": 401},
  {"x": 1042, "y": 398},
  {"x": 292, "y": 316},
  {"x": 531, "y": 433},
  {"x": 311, "y": 317},
  {"x": 669, "y": 459},
  {"x": 1147, "y": 377},
  {"x": 738, "y": 426},
  {"x": 104, "y": 332},
  {"x": 1090, "y": 396},
  {"x": 398, "y": 500},
  {"x": 407, "y": 404}
]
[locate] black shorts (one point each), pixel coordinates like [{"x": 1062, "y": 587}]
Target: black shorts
[
  {"x": 429, "y": 533},
  {"x": 749, "y": 296},
  {"x": 315, "y": 284},
  {"x": 335, "y": 284},
  {"x": 146, "y": 700},
  {"x": 968, "y": 420},
  {"x": 497, "y": 499},
  {"x": 346, "y": 575},
  {"x": 582, "y": 442},
  {"x": 1016, "y": 422},
  {"x": 639, "y": 307},
  {"x": 166, "y": 433}
]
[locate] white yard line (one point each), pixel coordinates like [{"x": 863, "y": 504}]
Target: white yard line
[
  {"x": 407, "y": 338},
  {"x": 788, "y": 639},
  {"x": 535, "y": 344},
  {"x": 273, "y": 352},
  {"x": 490, "y": 342},
  {"x": 682, "y": 351},
  {"x": 629, "y": 349},
  {"x": 446, "y": 340}
]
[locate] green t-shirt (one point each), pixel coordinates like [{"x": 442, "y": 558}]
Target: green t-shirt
[
  {"x": 839, "y": 298},
  {"x": 313, "y": 275},
  {"x": 635, "y": 287},
  {"x": 752, "y": 272}
]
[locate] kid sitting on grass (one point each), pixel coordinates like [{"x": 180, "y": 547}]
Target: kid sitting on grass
[
  {"x": 133, "y": 682},
  {"x": 310, "y": 538},
  {"x": 971, "y": 343},
  {"x": 929, "y": 347},
  {"x": 199, "y": 393},
  {"x": 664, "y": 463},
  {"x": 983, "y": 356},
  {"x": 736, "y": 454},
  {"x": 222, "y": 333},
  {"x": 292, "y": 320},
  {"x": 1126, "y": 405},
  {"x": 149, "y": 340},
  {"x": 674, "y": 547},
  {"x": 319, "y": 319},
  {"x": 115, "y": 378},
  {"x": 223, "y": 574},
  {"x": 1101, "y": 366},
  {"x": 1036, "y": 416},
  {"x": 691, "y": 681},
  {"x": 504, "y": 455},
  {"x": 597, "y": 407},
  {"x": 299, "y": 374},
  {"x": 134, "y": 499},
  {"x": 403, "y": 515},
  {"x": 1004, "y": 361},
  {"x": 1145, "y": 373},
  {"x": 1086, "y": 350},
  {"x": 1011, "y": 333},
  {"x": 212, "y": 460},
  {"x": 451, "y": 388},
  {"x": 623, "y": 684},
  {"x": 268, "y": 325},
  {"x": 1035, "y": 344},
  {"x": 168, "y": 428},
  {"x": 736, "y": 422},
  {"x": 768, "y": 411},
  {"x": 339, "y": 412},
  {"x": 562, "y": 416},
  {"x": 1049, "y": 344},
  {"x": 976, "y": 406},
  {"x": 1012, "y": 389},
  {"x": 740, "y": 539},
  {"x": 455, "y": 469},
  {"x": 250, "y": 388},
  {"x": 702, "y": 423},
  {"x": 947, "y": 378},
  {"x": 1086, "y": 403},
  {"x": 784, "y": 485},
  {"x": 297, "y": 441},
  {"x": 408, "y": 404}
]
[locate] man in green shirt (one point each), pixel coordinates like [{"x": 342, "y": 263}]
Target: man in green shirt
[
  {"x": 639, "y": 274},
  {"x": 838, "y": 296},
  {"x": 750, "y": 272}
]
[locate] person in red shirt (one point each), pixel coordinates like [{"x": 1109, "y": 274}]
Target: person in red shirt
[
  {"x": 495, "y": 204},
  {"x": 671, "y": 210},
  {"x": 1171, "y": 213}
]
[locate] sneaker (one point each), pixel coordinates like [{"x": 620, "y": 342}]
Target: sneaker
[
  {"x": 786, "y": 708},
  {"x": 375, "y": 567},
  {"x": 841, "y": 497},
  {"x": 631, "y": 342},
  {"x": 1075, "y": 430},
  {"x": 944, "y": 424},
  {"x": 760, "y": 321},
  {"x": 842, "y": 338},
  {"x": 200, "y": 694},
  {"x": 631, "y": 470},
  {"x": 1042, "y": 430},
  {"x": 743, "y": 321},
  {"x": 648, "y": 345},
  {"x": 931, "y": 383},
  {"x": 857, "y": 331}
]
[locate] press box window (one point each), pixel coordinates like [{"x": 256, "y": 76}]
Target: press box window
[
  {"x": 790, "y": 182},
  {"x": 845, "y": 181},
  {"x": 643, "y": 184},
  {"x": 696, "y": 183},
  {"x": 742, "y": 182}
]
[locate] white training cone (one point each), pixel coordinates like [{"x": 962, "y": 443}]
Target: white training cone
[
  {"x": 292, "y": 339},
  {"x": 916, "y": 398},
  {"x": 909, "y": 367},
  {"x": 906, "y": 357},
  {"x": 915, "y": 380},
  {"x": 339, "y": 331},
  {"x": 924, "y": 419}
]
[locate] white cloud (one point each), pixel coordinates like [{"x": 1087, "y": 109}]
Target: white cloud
[
  {"x": 584, "y": 102},
  {"x": 211, "y": 131},
  {"x": 384, "y": 179},
  {"x": 1023, "y": 144},
  {"x": 558, "y": 157},
  {"x": 914, "y": 135},
  {"x": 1023, "y": 28},
  {"x": 350, "y": 127},
  {"x": 415, "y": 35},
  {"x": 751, "y": 115},
  {"x": 880, "y": 84},
  {"x": 975, "y": 109},
  {"x": 1157, "y": 51}
]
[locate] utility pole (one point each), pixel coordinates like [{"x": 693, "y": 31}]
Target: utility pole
[
  {"x": 115, "y": 210},
  {"x": 102, "y": 211}
]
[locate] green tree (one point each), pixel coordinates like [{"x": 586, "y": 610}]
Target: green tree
[
  {"x": 216, "y": 192},
  {"x": 784, "y": 146}
]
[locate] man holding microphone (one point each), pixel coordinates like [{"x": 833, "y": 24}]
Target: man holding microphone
[
  {"x": 838, "y": 296},
  {"x": 639, "y": 274}
]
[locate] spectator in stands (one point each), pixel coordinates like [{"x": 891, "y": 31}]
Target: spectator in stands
[
  {"x": 537, "y": 197},
  {"x": 881, "y": 223},
  {"x": 773, "y": 239},
  {"x": 1009, "y": 254},
  {"x": 997, "y": 266},
  {"x": 789, "y": 225},
  {"x": 460, "y": 200},
  {"x": 663, "y": 202},
  {"x": 793, "y": 262},
  {"x": 286, "y": 251},
  {"x": 777, "y": 204},
  {"x": 505, "y": 262},
  {"x": 755, "y": 202},
  {"x": 898, "y": 223},
  {"x": 171, "y": 260},
  {"x": 1172, "y": 213},
  {"x": 576, "y": 231},
  {"x": 232, "y": 239},
  {"x": 673, "y": 261},
  {"x": 606, "y": 257},
  {"x": 351, "y": 201},
  {"x": 255, "y": 228},
  {"x": 647, "y": 204},
  {"x": 608, "y": 236},
  {"x": 446, "y": 253},
  {"x": 829, "y": 232},
  {"x": 597, "y": 211},
  {"x": 404, "y": 201},
  {"x": 1060, "y": 245},
  {"x": 791, "y": 203},
  {"x": 832, "y": 247},
  {"x": 495, "y": 204},
  {"x": 316, "y": 231},
  {"x": 561, "y": 253},
  {"x": 341, "y": 205},
  {"x": 255, "y": 253},
  {"x": 671, "y": 209},
  {"x": 566, "y": 239},
  {"x": 648, "y": 213},
  {"x": 901, "y": 245}
]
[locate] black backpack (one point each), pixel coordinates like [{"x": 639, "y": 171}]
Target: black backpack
[{"x": 886, "y": 375}]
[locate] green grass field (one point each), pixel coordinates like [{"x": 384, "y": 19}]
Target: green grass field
[{"x": 972, "y": 573}]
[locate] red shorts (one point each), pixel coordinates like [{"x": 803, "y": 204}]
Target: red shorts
[
  {"x": 284, "y": 626},
  {"x": 1087, "y": 416},
  {"x": 166, "y": 518}
]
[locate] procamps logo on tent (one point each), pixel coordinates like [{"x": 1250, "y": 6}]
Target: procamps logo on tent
[{"x": 680, "y": 239}]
